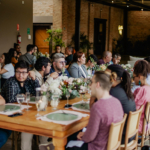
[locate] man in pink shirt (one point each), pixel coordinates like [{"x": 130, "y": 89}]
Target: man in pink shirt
[{"x": 105, "y": 111}]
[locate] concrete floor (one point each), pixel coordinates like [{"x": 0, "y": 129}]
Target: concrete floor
[{"x": 8, "y": 146}]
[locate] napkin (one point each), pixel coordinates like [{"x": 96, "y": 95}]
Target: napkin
[
  {"x": 80, "y": 115},
  {"x": 74, "y": 108},
  {"x": 15, "y": 111}
]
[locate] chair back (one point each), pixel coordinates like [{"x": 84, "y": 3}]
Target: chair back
[
  {"x": 133, "y": 125},
  {"x": 147, "y": 119},
  {"x": 115, "y": 134}
]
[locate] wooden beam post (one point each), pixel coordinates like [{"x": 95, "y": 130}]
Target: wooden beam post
[{"x": 77, "y": 25}]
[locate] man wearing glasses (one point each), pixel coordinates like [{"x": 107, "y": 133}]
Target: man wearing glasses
[
  {"x": 59, "y": 64},
  {"x": 24, "y": 81}
]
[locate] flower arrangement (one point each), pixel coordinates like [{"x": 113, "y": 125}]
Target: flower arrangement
[
  {"x": 63, "y": 84},
  {"x": 128, "y": 68},
  {"x": 39, "y": 54}
]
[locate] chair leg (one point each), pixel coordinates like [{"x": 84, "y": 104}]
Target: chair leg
[
  {"x": 16, "y": 144},
  {"x": 12, "y": 139},
  {"x": 142, "y": 141},
  {"x": 37, "y": 140}
]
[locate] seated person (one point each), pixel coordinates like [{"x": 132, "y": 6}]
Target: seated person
[
  {"x": 69, "y": 54},
  {"x": 90, "y": 64},
  {"x": 4, "y": 134},
  {"x": 42, "y": 69},
  {"x": 28, "y": 57},
  {"x": 77, "y": 69},
  {"x": 57, "y": 50},
  {"x": 134, "y": 86},
  {"x": 116, "y": 58},
  {"x": 20, "y": 84},
  {"x": 59, "y": 64},
  {"x": 142, "y": 94},
  {"x": 107, "y": 57},
  {"x": 121, "y": 89},
  {"x": 17, "y": 48},
  {"x": 13, "y": 56},
  {"x": 101, "y": 116},
  {"x": 6, "y": 68}
]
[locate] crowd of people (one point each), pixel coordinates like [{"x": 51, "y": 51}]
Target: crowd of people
[{"x": 111, "y": 92}]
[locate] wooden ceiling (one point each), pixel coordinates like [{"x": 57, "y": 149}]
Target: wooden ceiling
[{"x": 126, "y": 4}]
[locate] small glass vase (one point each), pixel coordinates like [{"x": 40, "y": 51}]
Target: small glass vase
[{"x": 44, "y": 103}]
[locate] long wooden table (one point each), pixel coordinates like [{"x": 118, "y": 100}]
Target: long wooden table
[{"x": 28, "y": 123}]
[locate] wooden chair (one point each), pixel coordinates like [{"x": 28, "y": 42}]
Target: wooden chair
[
  {"x": 144, "y": 135},
  {"x": 115, "y": 134},
  {"x": 132, "y": 129}
]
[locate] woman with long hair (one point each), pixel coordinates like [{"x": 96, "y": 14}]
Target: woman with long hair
[
  {"x": 77, "y": 68},
  {"x": 13, "y": 56},
  {"x": 142, "y": 94},
  {"x": 121, "y": 89}
]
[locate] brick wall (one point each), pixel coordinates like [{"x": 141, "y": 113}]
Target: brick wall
[
  {"x": 42, "y": 7},
  {"x": 114, "y": 16},
  {"x": 138, "y": 25}
]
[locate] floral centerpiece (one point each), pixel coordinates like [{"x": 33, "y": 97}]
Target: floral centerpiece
[
  {"x": 63, "y": 84},
  {"x": 39, "y": 54},
  {"x": 128, "y": 68}
]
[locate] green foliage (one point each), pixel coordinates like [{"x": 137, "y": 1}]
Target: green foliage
[
  {"x": 56, "y": 36},
  {"x": 84, "y": 42}
]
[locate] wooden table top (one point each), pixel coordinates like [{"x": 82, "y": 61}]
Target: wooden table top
[{"x": 28, "y": 122}]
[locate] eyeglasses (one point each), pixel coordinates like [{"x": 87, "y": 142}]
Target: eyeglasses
[
  {"x": 63, "y": 62},
  {"x": 23, "y": 73}
]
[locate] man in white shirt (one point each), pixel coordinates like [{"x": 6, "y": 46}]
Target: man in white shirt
[{"x": 42, "y": 69}]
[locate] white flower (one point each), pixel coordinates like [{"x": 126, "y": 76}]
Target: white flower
[
  {"x": 79, "y": 80},
  {"x": 44, "y": 88},
  {"x": 54, "y": 84},
  {"x": 103, "y": 67},
  {"x": 60, "y": 78},
  {"x": 128, "y": 65},
  {"x": 57, "y": 91}
]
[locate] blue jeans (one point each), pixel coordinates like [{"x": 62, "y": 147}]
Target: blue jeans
[{"x": 4, "y": 135}]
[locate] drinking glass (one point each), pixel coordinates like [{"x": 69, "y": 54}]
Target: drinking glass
[
  {"x": 20, "y": 100},
  {"x": 67, "y": 95},
  {"x": 38, "y": 102},
  {"x": 82, "y": 92},
  {"x": 27, "y": 100},
  {"x": 55, "y": 101}
]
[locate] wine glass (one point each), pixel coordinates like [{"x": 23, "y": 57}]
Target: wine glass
[
  {"x": 38, "y": 102},
  {"x": 20, "y": 100},
  {"x": 27, "y": 100},
  {"x": 55, "y": 101},
  {"x": 67, "y": 95},
  {"x": 82, "y": 92}
]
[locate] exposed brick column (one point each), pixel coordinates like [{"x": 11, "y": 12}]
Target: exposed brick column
[{"x": 57, "y": 14}]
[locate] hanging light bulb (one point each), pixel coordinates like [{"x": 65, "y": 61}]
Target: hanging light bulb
[
  {"x": 141, "y": 9},
  {"x": 112, "y": 1},
  {"x": 127, "y": 5}
]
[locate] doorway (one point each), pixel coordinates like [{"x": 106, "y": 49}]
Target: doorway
[
  {"x": 99, "y": 36},
  {"x": 39, "y": 36}
]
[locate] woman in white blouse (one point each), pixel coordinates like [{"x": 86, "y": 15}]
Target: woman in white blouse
[
  {"x": 6, "y": 68},
  {"x": 77, "y": 69}
]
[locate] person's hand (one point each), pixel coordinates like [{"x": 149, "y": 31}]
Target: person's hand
[
  {"x": 80, "y": 135},
  {"x": 92, "y": 101},
  {"x": 54, "y": 75},
  {"x": 32, "y": 75}
]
